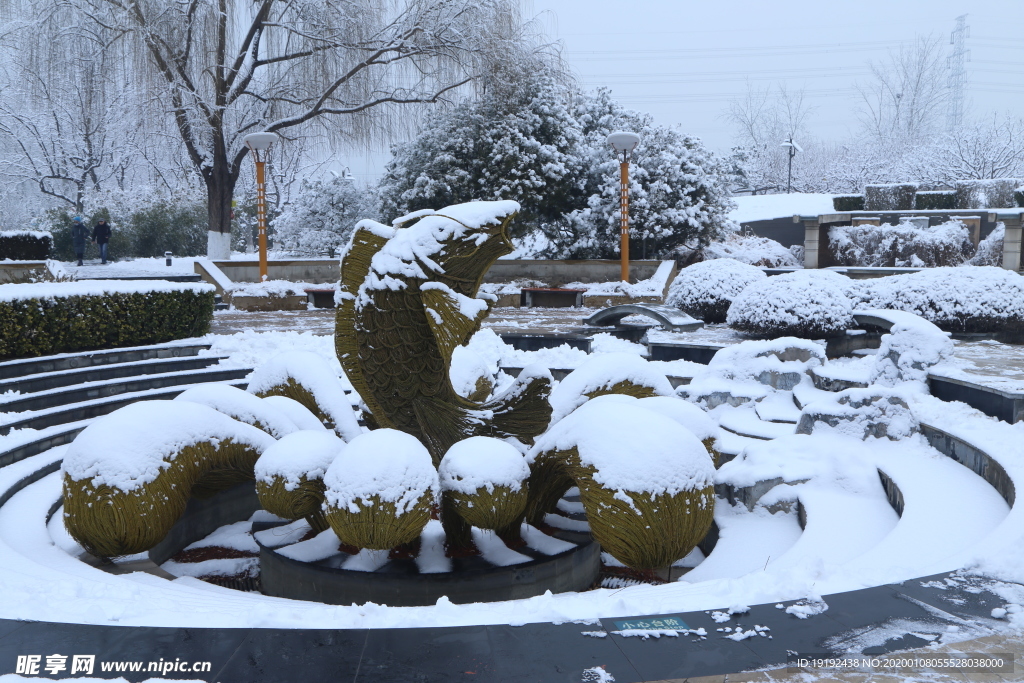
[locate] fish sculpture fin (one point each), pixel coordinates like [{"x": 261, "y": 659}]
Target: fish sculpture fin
[
  {"x": 367, "y": 240},
  {"x": 443, "y": 424},
  {"x": 453, "y": 317},
  {"x": 523, "y": 410}
]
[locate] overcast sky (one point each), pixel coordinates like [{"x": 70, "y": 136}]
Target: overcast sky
[{"x": 684, "y": 60}]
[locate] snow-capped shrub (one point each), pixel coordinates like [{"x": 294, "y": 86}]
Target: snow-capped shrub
[
  {"x": 990, "y": 249},
  {"x": 484, "y": 481},
  {"x": 380, "y": 490},
  {"x": 989, "y": 193},
  {"x": 43, "y": 318},
  {"x": 305, "y": 377},
  {"x": 948, "y": 244},
  {"x": 935, "y": 200},
  {"x": 644, "y": 480},
  {"x": 978, "y": 299},
  {"x": 289, "y": 475},
  {"x": 757, "y": 251},
  {"x": 242, "y": 406},
  {"x": 25, "y": 245},
  {"x": 607, "y": 373},
  {"x": 849, "y": 202},
  {"x": 705, "y": 290},
  {"x": 896, "y": 197},
  {"x": 295, "y": 411},
  {"x": 803, "y": 304},
  {"x": 129, "y": 475},
  {"x": 322, "y": 216}
]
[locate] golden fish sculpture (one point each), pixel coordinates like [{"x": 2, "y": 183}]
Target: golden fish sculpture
[{"x": 407, "y": 299}]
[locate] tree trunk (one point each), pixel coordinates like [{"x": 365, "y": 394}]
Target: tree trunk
[{"x": 219, "y": 189}]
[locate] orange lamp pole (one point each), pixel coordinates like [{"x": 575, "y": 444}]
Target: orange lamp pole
[
  {"x": 261, "y": 214},
  {"x": 257, "y": 143},
  {"x": 624, "y": 217},
  {"x": 625, "y": 143}
]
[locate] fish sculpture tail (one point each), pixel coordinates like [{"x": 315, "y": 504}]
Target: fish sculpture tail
[{"x": 523, "y": 411}]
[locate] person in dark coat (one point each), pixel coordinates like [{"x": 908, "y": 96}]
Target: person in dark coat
[
  {"x": 79, "y": 236},
  {"x": 100, "y": 236}
]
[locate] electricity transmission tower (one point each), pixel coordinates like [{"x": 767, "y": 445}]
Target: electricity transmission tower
[{"x": 957, "y": 81}]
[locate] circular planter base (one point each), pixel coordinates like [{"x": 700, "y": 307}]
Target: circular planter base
[{"x": 400, "y": 584}]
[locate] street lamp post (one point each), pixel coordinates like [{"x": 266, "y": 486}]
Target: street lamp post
[
  {"x": 624, "y": 143},
  {"x": 793, "y": 149},
  {"x": 259, "y": 143}
]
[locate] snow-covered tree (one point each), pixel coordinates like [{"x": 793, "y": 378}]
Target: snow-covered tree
[
  {"x": 320, "y": 219},
  {"x": 678, "y": 189},
  {"x": 518, "y": 141},
  {"x": 216, "y": 70}
]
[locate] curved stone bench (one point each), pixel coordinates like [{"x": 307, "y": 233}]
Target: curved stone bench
[
  {"x": 66, "y": 361},
  {"x": 668, "y": 317},
  {"x": 62, "y": 396}
]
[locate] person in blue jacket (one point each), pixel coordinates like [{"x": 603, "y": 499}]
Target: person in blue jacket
[{"x": 79, "y": 236}]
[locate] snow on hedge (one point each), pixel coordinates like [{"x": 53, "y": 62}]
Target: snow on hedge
[
  {"x": 810, "y": 304},
  {"x": 270, "y": 288},
  {"x": 687, "y": 414},
  {"x": 904, "y": 244},
  {"x": 57, "y": 290},
  {"x": 295, "y": 411},
  {"x": 385, "y": 462},
  {"x": 976, "y": 299},
  {"x": 301, "y": 454},
  {"x": 482, "y": 462},
  {"x": 242, "y": 406},
  {"x": 757, "y": 251},
  {"x": 311, "y": 372},
  {"x": 601, "y": 373},
  {"x": 705, "y": 290},
  {"x": 37, "y": 234},
  {"x": 631, "y": 448},
  {"x": 131, "y": 446}
]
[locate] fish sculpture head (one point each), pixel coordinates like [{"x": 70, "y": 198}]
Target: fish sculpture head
[{"x": 460, "y": 241}]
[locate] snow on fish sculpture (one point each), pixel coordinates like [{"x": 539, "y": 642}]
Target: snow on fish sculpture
[{"x": 407, "y": 299}]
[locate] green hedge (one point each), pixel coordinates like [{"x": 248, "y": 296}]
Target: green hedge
[
  {"x": 850, "y": 202},
  {"x": 20, "y": 245},
  {"x": 935, "y": 201},
  {"x": 58, "y": 321},
  {"x": 1018, "y": 195}
]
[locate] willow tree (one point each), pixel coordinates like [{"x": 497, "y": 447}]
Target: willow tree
[{"x": 339, "y": 71}]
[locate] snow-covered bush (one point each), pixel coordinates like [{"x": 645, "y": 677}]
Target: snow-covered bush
[
  {"x": 242, "y": 406},
  {"x": 979, "y": 299},
  {"x": 645, "y": 481},
  {"x": 25, "y": 245},
  {"x": 484, "y": 481},
  {"x": 990, "y": 249},
  {"x": 129, "y": 475},
  {"x": 757, "y": 251},
  {"x": 807, "y": 304},
  {"x": 290, "y": 474},
  {"x": 380, "y": 490},
  {"x": 305, "y": 377},
  {"x": 989, "y": 193},
  {"x": 895, "y": 197},
  {"x": 948, "y": 244},
  {"x": 705, "y": 290},
  {"x": 607, "y": 373},
  {"x": 54, "y": 317},
  {"x": 320, "y": 219}
]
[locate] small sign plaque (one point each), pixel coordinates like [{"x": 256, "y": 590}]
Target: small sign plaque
[{"x": 652, "y": 624}]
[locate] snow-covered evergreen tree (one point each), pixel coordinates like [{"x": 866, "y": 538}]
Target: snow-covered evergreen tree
[
  {"x": 518, "y": 141},
  {"x": 322, "y": 216},
  {"x": 678, "y": 190}
]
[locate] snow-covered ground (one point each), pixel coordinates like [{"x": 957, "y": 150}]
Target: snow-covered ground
[{"x": 852, "y": 539}]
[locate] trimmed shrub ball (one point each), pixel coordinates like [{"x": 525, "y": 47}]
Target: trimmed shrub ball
[
  {"x": 967, "y": 299},
  {"x": 705, "y": 290},
  {"x": 810, "y": 304}
]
